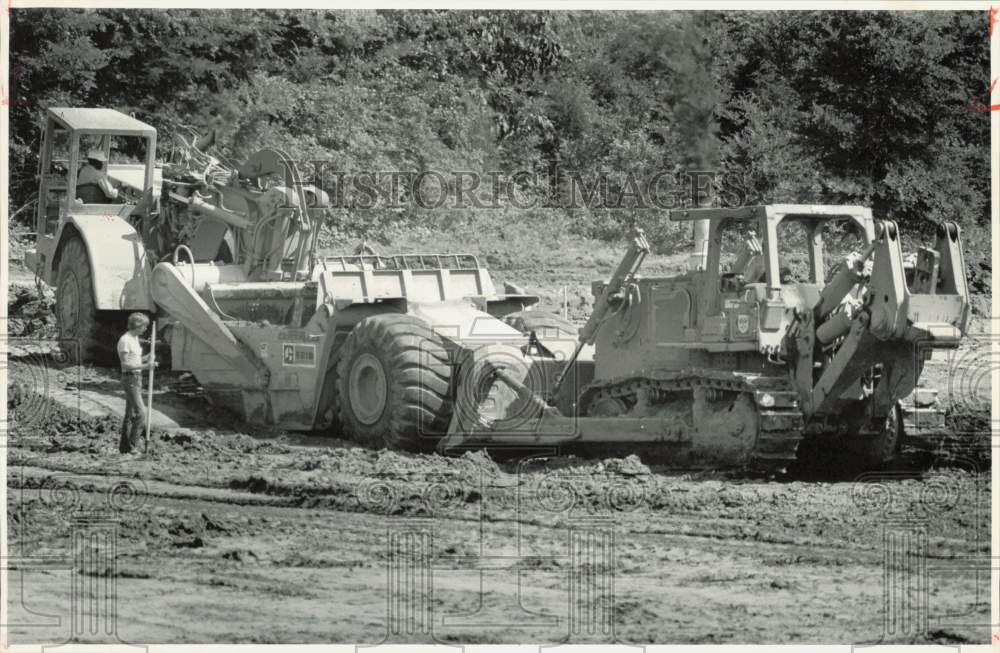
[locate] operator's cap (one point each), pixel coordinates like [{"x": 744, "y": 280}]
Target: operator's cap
[{"x": 97, "y": 155}]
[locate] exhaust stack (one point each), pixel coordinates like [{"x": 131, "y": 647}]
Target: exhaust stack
[{"x": 699, "y": 256}]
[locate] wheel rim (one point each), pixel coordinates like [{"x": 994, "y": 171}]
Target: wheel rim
[
  {"x": 69, "y": 305},
  {"x": 368, "y": 389}
]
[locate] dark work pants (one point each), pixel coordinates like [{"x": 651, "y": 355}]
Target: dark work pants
[{"x": 134, "y": 422}]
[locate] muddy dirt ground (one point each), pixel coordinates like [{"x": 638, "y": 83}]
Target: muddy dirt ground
[{"x": 227, "y": 533}]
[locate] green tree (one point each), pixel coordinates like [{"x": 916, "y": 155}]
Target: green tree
[{"x": 860, "y": 107}]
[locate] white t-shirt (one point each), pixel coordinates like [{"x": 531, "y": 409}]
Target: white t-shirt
[
  {"x": 91, "y": 175},
  {"x": 129, "y": 351}
]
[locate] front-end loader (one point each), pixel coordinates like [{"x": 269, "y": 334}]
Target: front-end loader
[{"x": 735, "y": 367}]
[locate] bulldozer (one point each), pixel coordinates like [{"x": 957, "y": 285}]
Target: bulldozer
[
  {"x": 736, "y": 366},
  {"x": 225, "y": 257}
]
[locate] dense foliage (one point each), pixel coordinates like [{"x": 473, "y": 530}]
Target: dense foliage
[{"x": 859, "y": 107}]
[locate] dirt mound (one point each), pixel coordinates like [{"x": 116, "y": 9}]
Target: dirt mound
[
  {"x": 628, "y": 466},
  {"x": 346, "y": 478},
  {"x": 60, "y": 428},
  {"x": 964, "y": 419},
  {"x": 471, "y": 464},
  {"x": 31, "y": 313},
  {"x": 969, "y": 435}
]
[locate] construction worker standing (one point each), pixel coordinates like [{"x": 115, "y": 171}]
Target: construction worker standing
[{"x": 133, "y": 363}]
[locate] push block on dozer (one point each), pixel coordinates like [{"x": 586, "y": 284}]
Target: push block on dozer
[
  {"x": 940, "y": 312},
  {"x": 897, "y": 327}
]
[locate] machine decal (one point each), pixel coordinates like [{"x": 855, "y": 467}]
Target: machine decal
[
  {"x": 743, "y": 323},
  {"x": 298, "y": 355}
]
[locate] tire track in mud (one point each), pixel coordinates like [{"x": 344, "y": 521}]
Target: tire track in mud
[
  {"x": 671, "y": 586},
  {"x": 675, "y": 534},
  {"x": 239, "y": 468},
  {"x": 34, "y": 484},
  {"x": 291, "y": 470},
  {"x": 236, "y": 519}
]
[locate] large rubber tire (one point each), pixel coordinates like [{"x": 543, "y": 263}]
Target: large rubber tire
[
  {"x": 542, "y": 323},
  {"x": 86, "y": 335},
  {"x": 394, "y": 383},
  {"x": 329, "y": 399},
  {"x": 878, "y": 451}
]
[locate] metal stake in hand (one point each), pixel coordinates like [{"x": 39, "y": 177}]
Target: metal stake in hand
[{"x": 149, "y": 403}]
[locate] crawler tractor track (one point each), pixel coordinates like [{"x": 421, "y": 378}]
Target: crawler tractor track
[{"x": 779, "y": 420}]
